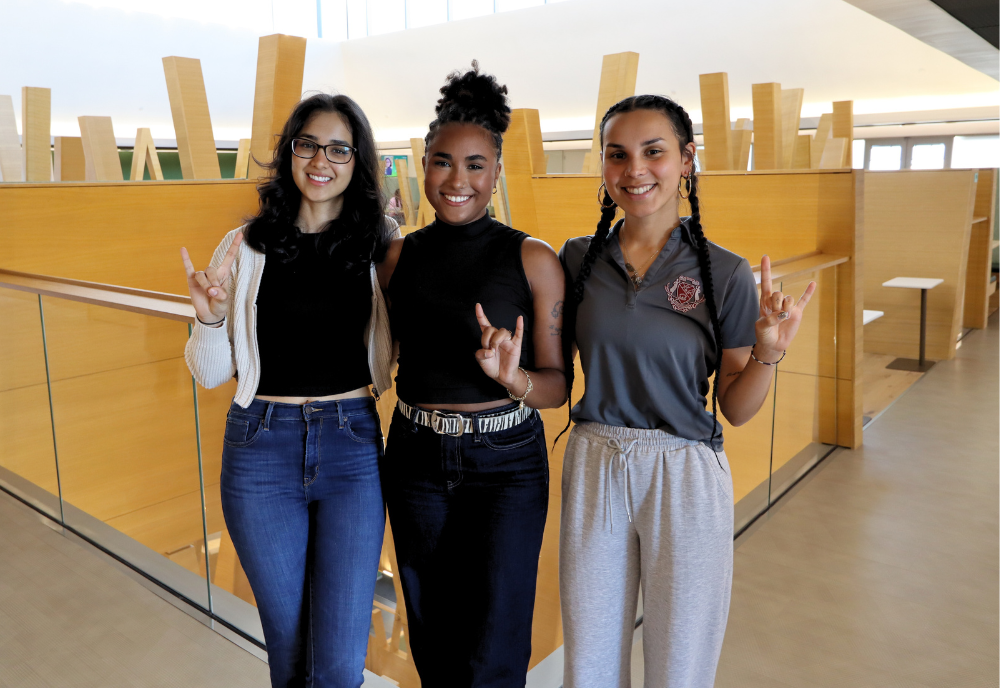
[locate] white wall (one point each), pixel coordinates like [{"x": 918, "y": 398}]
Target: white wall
[{"x": 108, "y": 62}]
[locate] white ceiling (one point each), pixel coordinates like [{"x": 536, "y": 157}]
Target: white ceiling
[{"x": 107, "y": 61}]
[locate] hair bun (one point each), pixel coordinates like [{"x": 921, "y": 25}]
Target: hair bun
[{"x": 473, "y": 96}]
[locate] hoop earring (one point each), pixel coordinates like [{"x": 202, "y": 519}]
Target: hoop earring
[
  {"x": 494, "y": 189},
  {"x": 684, "y": 183},
  {"x": 600, "y": 197}
]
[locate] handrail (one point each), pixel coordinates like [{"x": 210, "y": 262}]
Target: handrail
[
  {"x": 145, "y": 302},
  {"x": 797, "y": 266}
]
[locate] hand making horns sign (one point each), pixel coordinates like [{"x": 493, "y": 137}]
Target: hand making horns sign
[
  {"x": 780, "y": 315},
  {"x": 501, "y": 352},
  {"x": 210, "y": 287}
]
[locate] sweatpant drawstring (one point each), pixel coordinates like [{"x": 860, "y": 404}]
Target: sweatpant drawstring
[{"x": 621, "y": 453}]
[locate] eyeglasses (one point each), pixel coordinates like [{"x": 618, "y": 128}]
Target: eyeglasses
[{"x": 337, "y": 153}]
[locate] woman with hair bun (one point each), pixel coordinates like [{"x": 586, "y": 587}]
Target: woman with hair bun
[
  {"x": 290, "y": 305},
  {"x": 647, "y": 497},
  {"x": 477, "y": 310}
]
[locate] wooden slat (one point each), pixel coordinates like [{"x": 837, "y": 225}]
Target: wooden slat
[
  {"x": 742, "y": 138},
  {"x": 70, "y": 162},
  {"x": 242, "y": 159},
  {"x": 979, "y": 272},
  {"x": 517, "y": 159},
  {"x": 144, "y": 157},
  {"x": 192, "y": 123},
  {"x": 823, "y": 134},
  {"x": 833, "y": 154},
  {"x": 280, "y": 65},
  {"x": 618, "y": 74},
  {"x": 100, "y": 152},
  {"x": 11, "y": 155},
  {"x": 791, "y": 111},
  {"x": 767, "y": 126},
  {"x": 36, "y": 124},
  {"x": 148, "y": 303},
  {"x": 802, "y": 159},
  {"x": 843, "y": 128},
  {"x": 715, "y": 122}
]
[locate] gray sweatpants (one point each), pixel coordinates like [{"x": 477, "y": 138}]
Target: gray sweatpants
[{"x": 643, "y": 506}]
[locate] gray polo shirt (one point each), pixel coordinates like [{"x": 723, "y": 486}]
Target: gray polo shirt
[{"x": 647, "y": 355}]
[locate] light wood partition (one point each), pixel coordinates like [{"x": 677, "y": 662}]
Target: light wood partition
[
  {"x": 144, "y": 157},
  {"x": 242, "y": 159},
  {"x": 11, "y": 156},
  {"x": 823, "y": 133},
  {"x": 64, "y": 229},
  {"x": 843, "y": 128},
  {"x": 100, "y": 152},
  {"x": 280, "y": 65},
  {"x": 36, "y": 125},
  {"x": 742, "y": 138},
  {"x": 791, "y": 112},
  {"x": 917, "y": 224},
  {"x": 715, "y": 123},
  {"x": 618, "y": 75},
  {"x": 425, "y": 214},
  {"x": 979, "y": 284},
  {"x": 70, "y": 162},
  {"x": 192, "y": 122}
]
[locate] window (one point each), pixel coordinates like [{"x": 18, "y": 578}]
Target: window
[
  {"x": 976, "y": 151},
  {"x": 927, "y": 156},
  {"x": 858, "y": 154},
  {"x": 886, "y": 158}
]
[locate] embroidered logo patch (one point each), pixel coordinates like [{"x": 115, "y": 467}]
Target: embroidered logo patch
[{"x": 685, "y": 293}]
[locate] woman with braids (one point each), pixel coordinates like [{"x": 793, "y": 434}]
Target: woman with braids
[
  {"x": 290, "y": 304},
  {"x": 656, "y": 310},
  {"x": 477, "y": 310}
]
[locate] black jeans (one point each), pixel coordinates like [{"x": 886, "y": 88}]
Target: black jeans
[{"x": 467, "y": 518}]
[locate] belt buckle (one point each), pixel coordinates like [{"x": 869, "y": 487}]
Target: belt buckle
[{"x": 437, "y": 417}]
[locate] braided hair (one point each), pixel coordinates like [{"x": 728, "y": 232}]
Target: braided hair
[
  {"x": 684, "y": 130},
  {"x": 472, "y": 98}
]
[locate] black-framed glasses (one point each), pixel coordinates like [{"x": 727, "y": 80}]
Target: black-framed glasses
[{"x": 337, "y": 153}]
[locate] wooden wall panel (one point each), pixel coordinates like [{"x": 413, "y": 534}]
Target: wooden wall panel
[
  {"x": 36, "y": 125},
  {"x": 50, "y": 229},
  {"x": 802, "y": 159},
  {"x": 403, "y": 175},
  {"x": 823, "y": 133},
  {"x": 70, "y": 162},
  {"x": 716, "y": 123},
  {"x": 917, "y": 224},
  {"x": 11, "y": 155},
  {"x": 280, "y": 64},
  {"x": 618, "y": 74},
  {"x": 100, "y": 152},
  {"x": 242, "y": 159},
  {"x": 742, "y": 138},
  {"x": 977, "y": 277},
  {"x": 518, "y": 166},
  {"x": 833, "y": 154},
  {"x": 192, "y": 122}
]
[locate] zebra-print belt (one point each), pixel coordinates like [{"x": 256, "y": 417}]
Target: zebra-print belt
[{"x": 456, "y": 424}]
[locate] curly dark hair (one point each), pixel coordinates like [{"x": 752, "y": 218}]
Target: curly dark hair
[
  {"x": 474, "y": 98},
  {"x": 360, "y": 234},
  {"x": 681, "y": 123}
]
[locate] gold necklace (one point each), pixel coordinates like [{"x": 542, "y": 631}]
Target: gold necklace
[{"x": 633, "y": 274}]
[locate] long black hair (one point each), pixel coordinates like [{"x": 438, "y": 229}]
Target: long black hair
[
  {"x": 360, "y": 234},
  {"x": 681, "y": 123},
  {"x": 474, "y": 98}
]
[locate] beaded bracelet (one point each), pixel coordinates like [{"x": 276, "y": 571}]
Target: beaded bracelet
[
  {"x": 765, "y": 362},
  {"x": 521, "y": 398}
]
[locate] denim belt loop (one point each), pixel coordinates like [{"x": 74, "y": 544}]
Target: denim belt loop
[
  {"x": 267, "y": 414},
  {"x": 340, "y": 415},
  {"x": 476, "y": 438}
]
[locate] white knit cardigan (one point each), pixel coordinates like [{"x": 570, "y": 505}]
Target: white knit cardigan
[{"x": 215, "y": 354}]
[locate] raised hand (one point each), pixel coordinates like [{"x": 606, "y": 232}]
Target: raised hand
[
  {"x": 780, "y": 315},
  {"x": 501, "y": 353},
  {"x": 210, "y": 287}
]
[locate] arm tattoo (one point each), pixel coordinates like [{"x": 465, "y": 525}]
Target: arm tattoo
[
  {"x": 555, "y": 331},
  {"x": 734, "y": 374},
  {"x": 557, "y": 310}
]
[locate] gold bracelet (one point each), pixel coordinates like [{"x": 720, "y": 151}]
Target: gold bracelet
[{"x": 521, "y": 398}]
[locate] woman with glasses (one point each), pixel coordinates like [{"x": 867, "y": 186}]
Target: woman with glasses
[{"x": 290, "y": 305}]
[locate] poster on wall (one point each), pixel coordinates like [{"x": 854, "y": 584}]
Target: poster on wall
[{"x": 389, "y": 164}]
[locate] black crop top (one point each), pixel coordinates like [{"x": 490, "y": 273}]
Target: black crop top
[
  {"x": 311, "y": 319},
  {"x": 443, "y": 271}
]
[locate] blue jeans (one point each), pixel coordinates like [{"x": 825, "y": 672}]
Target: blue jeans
[
  {"x": 467, "y": 518},
  {"x": 303, "y": 504}
]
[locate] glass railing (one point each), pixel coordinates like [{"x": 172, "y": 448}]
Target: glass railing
[{"x": 105, "y": 431}]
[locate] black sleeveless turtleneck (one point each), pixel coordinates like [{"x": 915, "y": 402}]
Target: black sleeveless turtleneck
[{"x": 443, "y": 271}]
